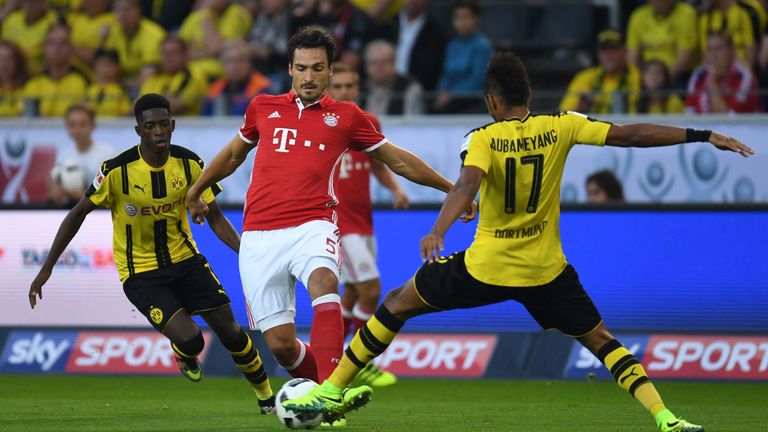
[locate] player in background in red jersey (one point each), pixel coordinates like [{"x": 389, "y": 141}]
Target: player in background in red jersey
[
  {"x": 289, "y": 227},
  {"x": 359, "y": 273}
]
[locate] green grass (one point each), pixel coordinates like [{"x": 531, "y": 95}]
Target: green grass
[{"x": 65, "y": 403}]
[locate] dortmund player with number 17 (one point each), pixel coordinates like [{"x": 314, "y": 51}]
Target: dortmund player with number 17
[{"x": 517, "y": 164}]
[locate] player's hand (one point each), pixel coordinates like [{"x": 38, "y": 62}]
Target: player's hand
[
  {"x": 431, "y": 245},
  {"x": 36, "y": 289},
  {"x": 726, "y": 143},
  {"x": 197, "y": 209},
  {"x": 469, "y": 214},
  {"x": 400, "y": 200}
]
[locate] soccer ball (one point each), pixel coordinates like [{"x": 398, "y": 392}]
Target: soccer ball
[
  {"x": 69, "y": 175},
  {"x": 291, "y": 390}
]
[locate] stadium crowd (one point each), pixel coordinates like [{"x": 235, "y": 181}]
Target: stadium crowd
[{"x": 210, "y": 57}]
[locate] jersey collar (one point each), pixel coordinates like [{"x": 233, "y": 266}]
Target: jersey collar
[
  {"x": 525, "y": 117},
  {"x": 323, "y": 102}
]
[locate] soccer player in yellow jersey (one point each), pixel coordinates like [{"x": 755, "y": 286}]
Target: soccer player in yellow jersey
[
  {"x": 163, "y": 273},
  {"x": 517, "y": 164}
]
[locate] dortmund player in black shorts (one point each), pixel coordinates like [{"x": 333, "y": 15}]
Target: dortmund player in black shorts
[
  {"x": 516, "y": 163},
  {"x": 163, "y": 273}
]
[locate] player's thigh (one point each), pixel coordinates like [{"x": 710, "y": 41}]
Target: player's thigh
[
  {"x": 563, "y": 304},
  {"x": 358, "y": 259},
  {"x": 153, "y": 296},
  {"x": 268, "y": 286},
  {"x": 316, "y": 246},
  {"x": 198, "y": 287},
  {"x": 281, "y": 340}
]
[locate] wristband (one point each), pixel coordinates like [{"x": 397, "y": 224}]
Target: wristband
[{"x": 697, "y": 135}]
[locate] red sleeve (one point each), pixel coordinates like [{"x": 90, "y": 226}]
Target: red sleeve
[
  {"x": 374, "y": 121},
  {"x": 249, "y": 131},
  {"x": 364, "y": 136},
  {"x": 750, "y": 103}
]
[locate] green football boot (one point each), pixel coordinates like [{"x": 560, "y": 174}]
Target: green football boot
[
  {"x": 679, "y": 425},
  {"x": 375, "y": 377},
  {"x": 330, "y": 400},
  {"x": 190, "y": 367}
]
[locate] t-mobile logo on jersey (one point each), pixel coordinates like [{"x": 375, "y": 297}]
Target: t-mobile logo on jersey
[{"x": 284, "y": 137}]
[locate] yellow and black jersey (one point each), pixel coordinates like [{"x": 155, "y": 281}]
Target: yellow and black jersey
[
  {"x": 149, "y": 213},
  {"x": 517, "y": 242}
]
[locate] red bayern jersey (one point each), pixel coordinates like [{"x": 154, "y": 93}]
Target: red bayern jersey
[
  {"x": 739, "y": 88},
  {"x": 299, "y": 149},
  {"x": 354, "y": 191}
]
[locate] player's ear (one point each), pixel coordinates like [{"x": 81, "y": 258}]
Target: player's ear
[{"x": 136, "y": 128}]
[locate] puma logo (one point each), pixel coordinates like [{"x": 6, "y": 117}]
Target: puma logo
[
  {"x": 626, "y": 377},
  {"x": 141, "y": 188}
]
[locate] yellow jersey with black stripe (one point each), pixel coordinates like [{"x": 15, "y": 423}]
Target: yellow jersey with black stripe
[
  {"x": 517, "y": 242},
  {"x": 149, "y": 213}
]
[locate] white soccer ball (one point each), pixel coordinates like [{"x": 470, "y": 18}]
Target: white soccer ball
[
  {"x": 70, "y": 176},
  {"x": 291, "y": 390}
]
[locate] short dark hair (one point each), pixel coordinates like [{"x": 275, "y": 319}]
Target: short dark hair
[
  {"x": 81, "y": 108},
  {"x": 312, "y": 37},
  {"x": 177, "y": 40},
  {"x": 467, "y": 4},
  {"x": 150, "y": 101},
  {"x": 507, "y": 78},
  {"x": 106, "y": 53},
  {"x": 608, "y": 182}
]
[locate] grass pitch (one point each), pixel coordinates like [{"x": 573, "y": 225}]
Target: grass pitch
[{"x": 66, "y": 403}]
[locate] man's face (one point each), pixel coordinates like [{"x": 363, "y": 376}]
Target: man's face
[
  {"x": 174, "y": 58},
  {"x": 344, "y": 86},
  {"x": 414, "y": 7},
  {"x": 236, "y": 64},
  {"x": 309, "y": 72},
  {"x": 79, "y": 126},
  {"x": 380, "y": 65},
  {"x": 155, "y": 129},
  {"x": 58, "y": 48},
  {"x": 596, "y": 194},
  {"x": 465, "y": 21},
  {"x": 127, "y": 14},
  {"x": 661, "y": 7},
  {"x": 35, "y": 9},
  {"x": 719, "y": 54},
  {"x": 612, "y": 59}
]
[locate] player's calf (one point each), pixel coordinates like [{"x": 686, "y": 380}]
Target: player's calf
[{"x": 186, "y": 357}]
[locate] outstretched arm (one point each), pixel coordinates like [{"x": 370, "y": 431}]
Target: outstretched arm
[
  {"x": 653, "y": 135},
  {"x": 385, "y": 177},
  {"x": 458, "y": 200},
  {"x": 222, "y": 227},
  {"x": 224, "y": 164},
  {"x": 67, "y": 230},
  {"x": 408, "y": 165}
]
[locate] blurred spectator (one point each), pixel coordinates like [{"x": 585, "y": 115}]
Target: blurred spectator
[
  {"x": 420, "y": 43},
  {"x": 105, "y": 95},
  {"x": 604, "y": 187},
  {"x": 740, "y": 19},
  {"x": 184, "y": 89},
  {"x": 466, "y": 59},
  {"x": 168, "y": 14},
  {"x": 137, "y": 42},
  {"x": 206, "y": 30},
  {"x": 379, "y": 10},
  {"x": 82, "y": 160},
  {"x": 657, "y": 96},
  {"x": 231, "y": 94},
  {"x": 611, "y": 87},
  {"x": 269, "y": 41},
  {"x": 350, "y": 27},
  {"x": 387, "y": 92},
  {"x": 14, "y": 73},
  {"x": 664, "y": 30},
  {"x": 61, "y": 85},
  {"x": 722, "y": 84},
  {"x": 89, "y": 26},
  {"x": 7, "y": 7},
  {"x": 28, "y": 28}
]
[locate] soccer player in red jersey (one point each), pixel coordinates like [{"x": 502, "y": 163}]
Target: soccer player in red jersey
[
  {"x": 289, "y": 228},
  {"x": 359, "y": 273}
]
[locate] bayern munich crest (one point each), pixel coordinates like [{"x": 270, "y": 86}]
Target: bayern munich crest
[{"x": 331, "y": 119}]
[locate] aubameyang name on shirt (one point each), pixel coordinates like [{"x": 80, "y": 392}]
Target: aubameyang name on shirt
[{"x": 506, "y": 145}]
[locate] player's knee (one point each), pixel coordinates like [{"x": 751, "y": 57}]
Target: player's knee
[
  {"x": 191, "y": 347},
  {"x": 284, "y": 351},
  {"x": 370, "y": 293},
  {"x": 323, "y": 281}
]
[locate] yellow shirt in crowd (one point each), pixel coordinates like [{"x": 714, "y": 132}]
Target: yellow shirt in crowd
[
  {"x": 143, "y": 49},
  {"x": 190, "y": 86},
  {"x": 605, "y": 90},
  {"x": 29, "y": 37},
  {"x": 108, "y": 100},
  {"x": 53, "y": 97},
  {"x": 662, "y": 39}
]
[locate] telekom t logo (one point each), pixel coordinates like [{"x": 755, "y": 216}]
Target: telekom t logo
[{"x": 284, "y": 137}]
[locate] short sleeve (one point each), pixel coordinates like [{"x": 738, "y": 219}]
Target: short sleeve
[
  {"x": 249, "y": 131},
  {"x": 100, "y": 192},
  {"x": 209, "y": 194},
  {"x": 586, "y": 130},
  {"x": 363, "y": 135},
  {"x": 475, "y": 150}
]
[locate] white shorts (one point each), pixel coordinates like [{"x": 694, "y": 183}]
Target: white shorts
[
  {"x": 358, "y": 258},
  {"x": 271, "y": 261}
]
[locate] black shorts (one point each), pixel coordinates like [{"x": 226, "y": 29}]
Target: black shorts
[
  {"x": 189, "y": 285},
  {"x": 561, "y": 304}
]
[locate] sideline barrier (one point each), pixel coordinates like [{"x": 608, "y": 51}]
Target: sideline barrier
[{"x": 688, "y": 173}]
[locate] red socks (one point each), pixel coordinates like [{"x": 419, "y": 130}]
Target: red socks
[
  {"x": 327, "y": 335},
  {"x": 304, "y": 365}
]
